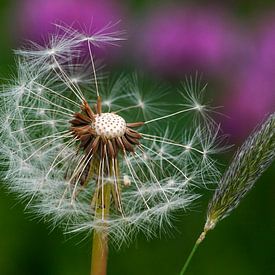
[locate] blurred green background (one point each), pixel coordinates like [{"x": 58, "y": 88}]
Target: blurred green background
[{"x": 243, "y": 244}]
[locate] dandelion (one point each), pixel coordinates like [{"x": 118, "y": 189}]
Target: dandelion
[
  {"x": 251, "y": 160},
  {"x": 100, "y": 156}
]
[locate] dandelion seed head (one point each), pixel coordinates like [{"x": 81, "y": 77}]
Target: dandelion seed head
[{"x": 87, "y": 152}]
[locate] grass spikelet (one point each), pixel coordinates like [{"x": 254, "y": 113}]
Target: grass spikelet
[{"x": 251, "y": 160}]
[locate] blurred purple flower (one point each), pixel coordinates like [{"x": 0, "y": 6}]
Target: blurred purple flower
[
  {"x": 251, "y": 98},
  {"x": 182, "y": 39},
  {"x": 252, "y": 95},
  {"x": 264, "y": 50}
]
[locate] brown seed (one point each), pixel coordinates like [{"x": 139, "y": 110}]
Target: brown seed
[{"x": 135, "y": 124}]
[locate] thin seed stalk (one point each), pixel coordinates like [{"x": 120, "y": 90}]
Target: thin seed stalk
[
  {"x": 194, "y": 249},
  {"x": 100, "y": 238}
]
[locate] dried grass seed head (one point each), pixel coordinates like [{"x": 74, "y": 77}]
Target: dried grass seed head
[{"x": 249, "y": 163}]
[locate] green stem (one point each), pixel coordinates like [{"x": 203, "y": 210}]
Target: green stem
[
  {"x": 195, "y": 247},
  {"x": 99, "y": 253},
  {"x": 100, "y": 238}
]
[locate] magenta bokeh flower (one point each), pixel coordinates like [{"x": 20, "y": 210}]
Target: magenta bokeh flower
[
  {"x": 180, "y": 39},
  {"x": 252, "y": 94},
  {"x": 251, "y": 98},
  {"x": 264, "y": 50}
]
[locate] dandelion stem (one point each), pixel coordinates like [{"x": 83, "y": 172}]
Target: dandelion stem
[
  {"x": 99, "y": 253},
  {"x": 100, "y": 239},
  {"x": 195, "y": 247}
]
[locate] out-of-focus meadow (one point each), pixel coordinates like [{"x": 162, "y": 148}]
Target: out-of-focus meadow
[{"x": 233, "y": 47}]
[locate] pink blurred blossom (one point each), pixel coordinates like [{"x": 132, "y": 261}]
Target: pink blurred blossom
[
  {"x": 252, "y": 93},
  {"x": 250, "y": 99},
  {"x": 178, "y": 39}
]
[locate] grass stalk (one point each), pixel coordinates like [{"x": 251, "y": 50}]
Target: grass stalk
[{"x": 194, "y": 249}]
